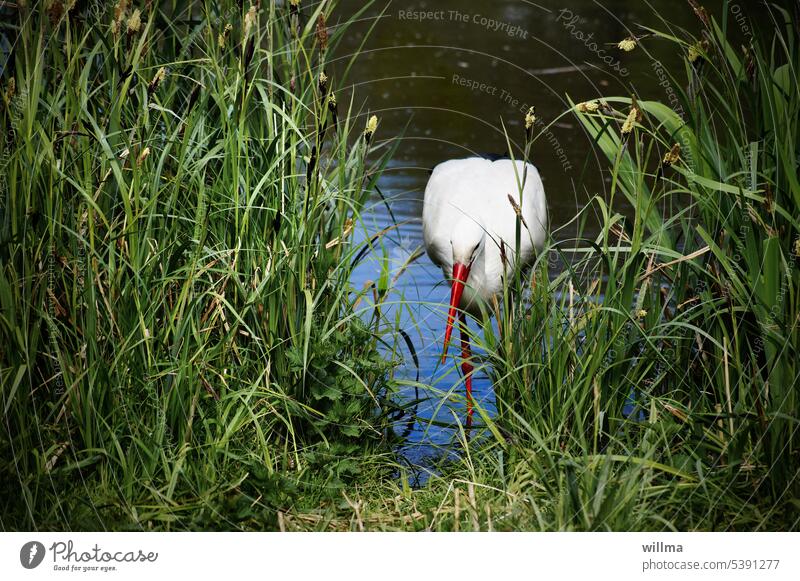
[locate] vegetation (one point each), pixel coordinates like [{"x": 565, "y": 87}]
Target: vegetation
[
  {"x": 182, "y": 348},
  {"x": 653, "y": 383},
  {"x": 180, "y": 345}
]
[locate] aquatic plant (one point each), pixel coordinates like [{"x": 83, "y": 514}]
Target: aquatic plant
[{"x": 180, "y": 342}]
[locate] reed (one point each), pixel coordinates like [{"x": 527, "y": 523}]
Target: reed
[
  {"x": 180, "y": 342},
  {"x": 653, "y": 382}
]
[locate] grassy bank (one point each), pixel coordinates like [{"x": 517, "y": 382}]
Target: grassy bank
[
  {"x": 179, "y": 341},
  {"x": 663, "y": 362}
]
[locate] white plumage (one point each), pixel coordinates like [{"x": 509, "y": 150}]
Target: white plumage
[
  {"x": 466, "y": 203},
  {"x": 466, "y": 218}
]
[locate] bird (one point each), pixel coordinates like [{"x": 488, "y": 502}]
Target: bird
[{"x": 469, "y": 224}]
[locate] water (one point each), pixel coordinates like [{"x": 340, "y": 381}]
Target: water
[{"x": 445, "y": 78}]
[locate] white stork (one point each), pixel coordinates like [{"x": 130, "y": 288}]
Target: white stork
[{"x": 467, "y": 216}]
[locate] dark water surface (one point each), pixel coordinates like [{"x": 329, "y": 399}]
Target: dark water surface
[{"x": 445, "y": 78}]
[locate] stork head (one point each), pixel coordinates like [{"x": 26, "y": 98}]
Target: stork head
[{"x": 467, "y": 239}]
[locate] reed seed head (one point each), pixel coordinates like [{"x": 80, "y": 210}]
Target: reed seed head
[
  {"x": 223, "y": 36},
  {"x": 55, "y": 10},
  {"x": 627, "y": 44},
  {"x": 322, "y": 32},
  {"x": 135, "y": 22},
  {"x": 332, "y": 107},
  {"x": 769, "y": 200},
  {"x": 627, "y": 127},
  {"x": 633, "y": 116},
  {"x": 697, "y": 50},
  {"x": 530, "y": 118},
  {"x": 142, "y": 156},
  {"x": 530, "y": 121},
  {"x": 157, "y": 78},
  {"x": 700, "y": 12},
  {"x": 120, "y": 10},
  {"x": 588, "y": 106},
  {"x": 372, "y": 125},
  {"x": 517, "y": 210},
  {"x": 673, "y": 155},
  {"x": 249, "y": 21}
]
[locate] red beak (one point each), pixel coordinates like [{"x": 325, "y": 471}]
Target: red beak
[{"x": 460, "y": 274}]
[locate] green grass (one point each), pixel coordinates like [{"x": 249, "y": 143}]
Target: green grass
[
  {"x": 653, "y": 383},
  {"x": 180, "y": 344},
  {"x": 182, "y": 348}
]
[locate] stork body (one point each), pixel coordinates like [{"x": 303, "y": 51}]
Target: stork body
[{"x": 467, "y": 218}]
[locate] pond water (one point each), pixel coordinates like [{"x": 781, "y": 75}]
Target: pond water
[{"x": 445, "y": 78}]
